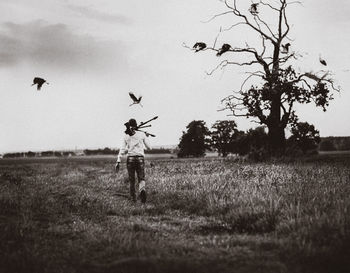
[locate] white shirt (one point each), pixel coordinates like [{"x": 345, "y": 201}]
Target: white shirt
[{"x": 134, "y": 145}]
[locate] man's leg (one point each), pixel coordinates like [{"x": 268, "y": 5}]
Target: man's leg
[
  {"x": 131, "y": 171},
  {"x": 140, "y": 170}
]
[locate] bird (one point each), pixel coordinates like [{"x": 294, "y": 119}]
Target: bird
[
  {"x": 311, "y": 75},
  {"x": 199, "y": 46},
  {"x": 323, "y": 61},
  {"x": 285, "y": 48},
  {"x": 135, "y": 99},
  {"x": 39, "y": 82},
  {"x": 254, "y": 9},
  {"x": 223, "y": 49}
]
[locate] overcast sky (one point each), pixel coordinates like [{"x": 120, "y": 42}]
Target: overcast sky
[{"x": 93, "y": 53}]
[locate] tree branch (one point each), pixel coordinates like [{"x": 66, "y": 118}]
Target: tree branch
[
  {"x": 252, "y": 74},
  {"x": 265, "y": 24},
  {"x": 269, "y": 5},
  {"x": 239, "y": 14},
  {"x": 216, "y": 15},
  {"x": 234, "y": 25},
  {"x": 286, "y": 23},
  {"x": 224, "y": 63}
]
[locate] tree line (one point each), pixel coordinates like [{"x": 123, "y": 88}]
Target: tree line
[
  {"x": 86, "y": 152},
  {"x": 225, "y": 138},
  {"x": 335, "y": 144}
]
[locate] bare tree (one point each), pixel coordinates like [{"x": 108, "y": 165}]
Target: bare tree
[{"x": 280, "y": 87}]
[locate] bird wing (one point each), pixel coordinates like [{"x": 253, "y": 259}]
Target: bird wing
[
  {"x": 132, "y": 96},
  {"x": 139, "y": 99}
]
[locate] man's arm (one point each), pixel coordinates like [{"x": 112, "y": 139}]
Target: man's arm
[
  {"x": 122, "y": 150},
  {"x": 146, "y": 143}
]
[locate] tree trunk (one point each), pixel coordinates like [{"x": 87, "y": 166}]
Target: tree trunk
[
  {"x": 276, "y": 129},
  {"x": 277, "y": 140}
]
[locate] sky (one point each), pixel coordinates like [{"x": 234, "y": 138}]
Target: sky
[{"x": 93, "y": 53}]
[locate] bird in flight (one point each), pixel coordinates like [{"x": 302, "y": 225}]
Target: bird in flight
[
  {"x": 39, "y": 82},
  {"x": 323, "y": 61},
  {"x": 199, "y": 46},
  {"x": 285, "y": 48},
  {"x": 223, "y": 49},
  {"x": 135, "y": 99},
  {"x": 254, "y": 9}
]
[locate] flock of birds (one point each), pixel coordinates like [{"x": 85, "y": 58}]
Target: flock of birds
[
  {"x": 40, "y": 81},
  {"x": 197, "y": 47},
  {"x": 226, "y": 47}
]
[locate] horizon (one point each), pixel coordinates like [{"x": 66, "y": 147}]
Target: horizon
[{"x": 166, "y": 146}]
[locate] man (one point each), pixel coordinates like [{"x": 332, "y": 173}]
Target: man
[{"x": 133, "y": 145}]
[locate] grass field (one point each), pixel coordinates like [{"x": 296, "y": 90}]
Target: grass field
[{"x": 202, "y": 215}]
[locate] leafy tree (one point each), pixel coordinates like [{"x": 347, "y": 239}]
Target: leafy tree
[
  {"x": 272, "y": 87},
  {"x": 195, "y": 141},
  {"x": 224, "y": 136},
  {"x": 253, "y": 143},
  {"x": 305, "y": 136}
]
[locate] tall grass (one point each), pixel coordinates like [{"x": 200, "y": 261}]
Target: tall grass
[{"x": 201, "y": 215}]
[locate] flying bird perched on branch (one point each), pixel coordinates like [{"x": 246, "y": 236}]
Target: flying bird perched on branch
[
  {"x": 135, "y": 99},
  {"x": 285, "y": 48},
  {"x": 254, "y": 9},
  {"x": 199, "y": 46},
  {"x": 223, "y": 49},
  {"x": 39, "y": 82},
  {"x": 323, "y": 61}
]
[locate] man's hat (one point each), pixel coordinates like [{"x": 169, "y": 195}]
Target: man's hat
[{"x": 132, "y": 122}]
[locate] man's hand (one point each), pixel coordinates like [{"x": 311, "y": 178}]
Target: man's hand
[{"x": 117, "y": 166}]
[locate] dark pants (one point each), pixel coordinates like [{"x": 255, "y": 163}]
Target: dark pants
[{"x": 135, "y": 164}]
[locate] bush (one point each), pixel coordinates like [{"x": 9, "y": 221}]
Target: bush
[{"x": 305, "y": 136}]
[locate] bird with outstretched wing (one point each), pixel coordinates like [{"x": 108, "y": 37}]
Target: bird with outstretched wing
[
  {"x": 135, "y": 99},
  {"x": 39, "y": 82},
  {"x": 285, "y": 48}
]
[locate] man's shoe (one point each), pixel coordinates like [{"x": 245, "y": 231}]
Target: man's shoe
[{"x": 143, "y": 196}]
